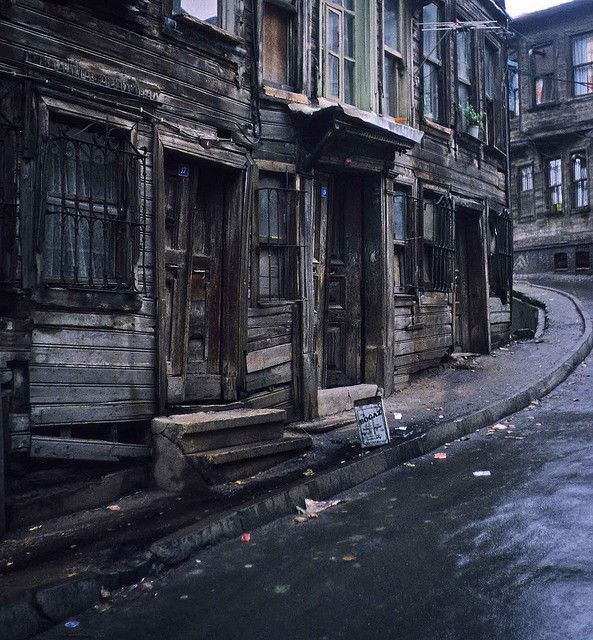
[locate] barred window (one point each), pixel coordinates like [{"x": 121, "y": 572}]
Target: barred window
[
  {"x": 277, "y": 247},
  {"x": 501, "y": 254},
  {"x": 438, "y": 245},
  {"x": 554, "y": 185},
  {"x": 580, "y": 181},
  {"x": 95, "y": 207},
  {"x": 9, "y": 135}
]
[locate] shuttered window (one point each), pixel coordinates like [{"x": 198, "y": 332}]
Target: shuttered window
[
  {"x": 95, "y": 207},
  {"x": 432, "y": 69},
  {"x": 544, "y": 70},
  {"x": 277, "y": 50},
  {"x": 582, "y": 64}
]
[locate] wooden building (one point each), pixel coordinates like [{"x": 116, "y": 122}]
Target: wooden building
[
  {"x": 551, "y": 76},
  {"x": 252, "y": 206}
]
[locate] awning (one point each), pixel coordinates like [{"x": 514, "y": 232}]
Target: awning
[{"x": 325, "y": 127}]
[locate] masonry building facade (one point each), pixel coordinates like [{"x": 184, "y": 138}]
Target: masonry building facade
[{"x": 551, "y": 78}]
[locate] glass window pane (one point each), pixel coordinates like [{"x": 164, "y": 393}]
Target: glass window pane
[
  {"x": 489, "y": 73},
  {"x": 431, "y": 90},
  {"x": 349, "y": 35},
  {"x": 399, "y": 216},
  {"x": 333, "y": 32},
  {"x": 583, "y": 80},
  {"x": 464, "y": 56},
  {"x": 333, "y": 72},
  {"x": 206, "y": 10},
  {"x": 582, "y": 49},
  {"x": 391, "y": 85},
  {"x": 430, "y": 38},
  {"x": 428, "y": 221},
  {"x": 391, "y": 26},
  {"x": 349, "y": 81},
  {"x": 348, "y": 4}
]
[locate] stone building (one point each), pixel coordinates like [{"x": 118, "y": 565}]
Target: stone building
[
  {"x": 551, "y": 108},
  {"x": 240, "y": 212}
]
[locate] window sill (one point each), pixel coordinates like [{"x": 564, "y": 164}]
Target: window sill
[
  {"x": 284, "y": 94},
  {"x": 583, "y": 211},
  {"x": 70, "y": 298},
  {"x": 267, "y": 304},
  {"x": 208, "y": 28},
  {"x": 468, "y": 141},
  {"x": 187, "y": 35},
  {"x": 439, "y": 128},
  {"x": 543, "y": 107}
]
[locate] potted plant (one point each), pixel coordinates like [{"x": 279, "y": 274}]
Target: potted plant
[{"x": 473, "y": 119}]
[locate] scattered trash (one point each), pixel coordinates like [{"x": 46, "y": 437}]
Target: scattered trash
[
  {"x": 410, "y": 465},
  {"x": 248, "y": 566},
  {"x": 348, "y": 558},
  {"x": 482, "y": 474},
  {"x": 113, "y": 507},
  {"x": 105, "y": 593},
  {"x": 538, "y": 424},
  {"x": 301, "y": 519},
  {"x": 397, "y": 416},
  {"x": 514, "y": 437},
  {"x": 314, "y": 507},
  {"x": 239, "y": 482},
  {"x": 245, "y": 537},
  {"x": 440, "y": 455},
  {"x": 71, "y": 624},
  {"x": 441, "y": 417},
  {"x": 146, "y": 586},
  {"x": 281, "y": 589},
  {"x": 500, "y": 427},
  {"x": 184, "y": 597},
  {"x": 309, "y": 473},
  {"x": 36, "y": 527}
]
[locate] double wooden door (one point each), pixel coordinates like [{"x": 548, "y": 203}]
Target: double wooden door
[
  {"x": 194, "y": 218},
  {"x": 340, "y": 201}
]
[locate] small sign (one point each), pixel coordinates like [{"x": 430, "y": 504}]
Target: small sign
[
  {"x": 372, "y": 424},
  {"x": 324, "y": 192},
  {"x": 183, "y": 171}
]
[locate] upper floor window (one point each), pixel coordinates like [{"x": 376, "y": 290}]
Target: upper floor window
[
  {"x": 554, "y": 185},
  {"x": 514, "y": 101},
  {"x": 580, "y": 181},
  {"x": 278, "y": 44},
  {"x": 490, "y": 92},
  {"x": 219, "y": 13},
  {"x": 340, "y": 50},
  {"x": 393, "y": 58},
  {"x": 544, "y": 72},
  {"x": 94, "y": 206},
  {"x": 466, "y": 96},
  {"x": 432, "y": 68},
  {"x": 582, "y": 64},
  {"x": 526, "y": 192}
]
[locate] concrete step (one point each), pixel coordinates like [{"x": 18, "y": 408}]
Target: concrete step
[
  {"x": 233, "y": 463},
  {"x": 203, "y": 431},
  {"x": 340, "y": 399}
]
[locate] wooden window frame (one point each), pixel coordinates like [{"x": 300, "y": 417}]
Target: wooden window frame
[
  {"x": 469, "y": 83},
  {"x": 440, "y": 248},
  {"x": 554, "y": 209},
  {"x": 290, "y": 8},
  {"x": 289, "y": 251},
  {"x": 492, "y": 112},
  {"x": 397, "y": 58},
  {"x": 436, "y": 62},
  {"x": 521, "y": 191},
  {"x": 542, "y": 76},
  {"x": 514, "y": 92},
  {"x": 575, "y": 184},
  {"x": 226, "y": 15},
  {"x": 328, "y": 6},
  {"x": 405, "y": 249},
  {"x": 574, "y": 67}
]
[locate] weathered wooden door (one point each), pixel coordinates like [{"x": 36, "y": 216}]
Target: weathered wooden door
[
  {"x": 461, "y": 297},
  {"x": 343, "y": 282},
  {"x": 194, "y": 215}
]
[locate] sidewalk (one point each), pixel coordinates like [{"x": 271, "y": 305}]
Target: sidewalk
[{"x": 153, "y": 531}]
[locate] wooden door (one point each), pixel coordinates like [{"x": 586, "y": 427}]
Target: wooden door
[
  {"x": 194, "y": 214},
  {"x": 343, "y": 281},
  {"x": 461, "y": 297}
]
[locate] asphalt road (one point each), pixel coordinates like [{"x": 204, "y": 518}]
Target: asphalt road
[{"x": 423, "y": 552}]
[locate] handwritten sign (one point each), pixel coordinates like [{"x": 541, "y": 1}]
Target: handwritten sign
[{"x": 372, "y": 424}]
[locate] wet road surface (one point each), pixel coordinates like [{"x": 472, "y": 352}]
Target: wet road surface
[{"x": 419, "y": 553}]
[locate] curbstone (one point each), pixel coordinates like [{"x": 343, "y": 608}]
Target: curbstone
[{"x": 59, "y": 601}]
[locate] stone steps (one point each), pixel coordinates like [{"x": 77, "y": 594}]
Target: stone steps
[{"x": 195, "y": 450}]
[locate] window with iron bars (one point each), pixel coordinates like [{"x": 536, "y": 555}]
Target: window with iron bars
[
  {"x": 438, "y": 244},
  {"x": 277, "y": 248},
  {"x": 405, "y": 240},
  {"x": 9, "y": 137},
  {"x": 95, "y": 208},
  {"x": 501, "y": 254}
]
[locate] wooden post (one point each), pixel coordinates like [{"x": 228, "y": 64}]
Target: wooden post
[{"x": 3, "y": 394}]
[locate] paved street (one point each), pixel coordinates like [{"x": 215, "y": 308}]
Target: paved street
[{"x": 422, "y": 552}]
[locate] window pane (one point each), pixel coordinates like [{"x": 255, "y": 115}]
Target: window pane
[
  {"x": 206, "y": 10},
  {"x": 349, "y": 35},
  {"x": 275, "y": 44},
  {"x": 464, "y": 56},
  {"x": 428, "y": 221},
  {"x": 333, "y": 32},
  {"x": 527, "y": 178},
  {"x": 430, "y": 38},
  {"x": 514, "y": 105},
  {"x": 489, "y": 73},
  {"x": 333, "y": 72},
  {"x": 544, "y": 90},
  {"x": 391, "y": 24},
  {"x": 399, "y": 216},
  {"x": 555, "y": 173},
  {"x": 349, "y": 81},
  {"x": 391, "y": 85},
  {"x": 583, "y": 80},
  {"x": 582, "y": 49},
  {"x": 431, "y": 90},
  {"x": 272, "y": 218}
]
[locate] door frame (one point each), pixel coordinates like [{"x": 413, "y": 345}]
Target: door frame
[{"x": 234, "y": 250}]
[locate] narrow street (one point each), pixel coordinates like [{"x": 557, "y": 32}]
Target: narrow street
[{"x": 424, "y": 551}]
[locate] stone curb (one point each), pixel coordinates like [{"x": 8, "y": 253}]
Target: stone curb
[{"x": 40, "y": 609}]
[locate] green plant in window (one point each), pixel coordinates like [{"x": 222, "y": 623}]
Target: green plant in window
[{"x": 472, "y": 117}]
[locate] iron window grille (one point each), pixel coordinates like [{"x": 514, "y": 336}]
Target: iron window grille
[
  {"x": 9, "y": 184},
  {"x": 501, "y": 254},
  {"x": 438, "y": 244},
  {"x": 95, "y": 209},
  {"x": 278, "y": 250}
]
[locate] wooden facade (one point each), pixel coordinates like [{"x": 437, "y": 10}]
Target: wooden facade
[
  {"x": 241, "y": 208},
  {"x": 551, "y": 120}
]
